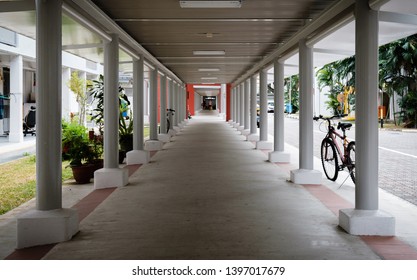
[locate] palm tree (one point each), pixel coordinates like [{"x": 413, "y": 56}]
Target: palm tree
[{"x": 398, "y": 73}]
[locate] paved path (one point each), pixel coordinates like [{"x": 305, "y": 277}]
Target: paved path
[{"x": 210, "y": 195}]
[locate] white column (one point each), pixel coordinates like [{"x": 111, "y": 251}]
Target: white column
[
  {"x": 16, "y": 101},
  {"x": 232, "y": 106},
  {"x": 223, "y": 101},
  {"x": 49, "y": 223},
  {"x": 263, "y": 143},
  {"x": 163, "y": 135},
  {"x": 366, "y": 218},
  {"x": 138, "y": 155},
  {"x": 305, "y": 174},
  {"x": 253, "y": 136},
  {"x": 246, "y": 110},
  {"x": 111, "y": 175},
  {"x": 241, "y": 106},
  {"x": 237, "y": 107},
  {"x": 278, "y": 155},
  {"x": 66, "y": 94},
  {"x": 153, "y": 144}
]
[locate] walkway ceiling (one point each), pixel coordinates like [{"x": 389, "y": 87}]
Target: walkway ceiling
[{"x": 247, "y": 38}]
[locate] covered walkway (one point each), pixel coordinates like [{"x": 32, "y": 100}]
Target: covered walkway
[{"x": 210, "y": 195}]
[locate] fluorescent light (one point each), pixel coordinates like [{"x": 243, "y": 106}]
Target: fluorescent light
[
  {"x": 208, "y": 69},
  {"x": 209, "y": 52},
  {"x": 210, "y": 4},
  {"x": 209, "y": 78}
]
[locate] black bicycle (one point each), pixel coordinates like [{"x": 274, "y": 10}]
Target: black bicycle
[{"x": 330, "y": 149}]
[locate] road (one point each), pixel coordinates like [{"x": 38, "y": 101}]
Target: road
[{"x": 397, "y": 156}]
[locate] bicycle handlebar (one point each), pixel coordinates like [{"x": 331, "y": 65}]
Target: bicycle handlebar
[{"x": 329, "y": 118}]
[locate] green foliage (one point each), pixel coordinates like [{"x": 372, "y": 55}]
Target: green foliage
[
  {"x": 398, "y": 73},
  {"x": 77, "y": 86},
  {"x": 96, "y": 89},
  {"x": 77, "y": 146},
  {"x": 335, "y": 77}
]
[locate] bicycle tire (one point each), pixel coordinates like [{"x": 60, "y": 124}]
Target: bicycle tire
[
  {"x": 351, "y": 160},
  {"x": 329, "y": 159},
  {"x": 168, "y": 125}
]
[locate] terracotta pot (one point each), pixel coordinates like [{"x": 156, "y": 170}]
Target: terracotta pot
[{"x": 82, "y": 174}]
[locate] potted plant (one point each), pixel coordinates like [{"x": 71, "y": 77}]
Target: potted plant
[
  {"x": 79, "y": 150},
  {"x": 125, "y": 134}
]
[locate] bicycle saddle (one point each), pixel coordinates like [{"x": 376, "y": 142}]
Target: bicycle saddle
[{"x": 343, "y": 126}]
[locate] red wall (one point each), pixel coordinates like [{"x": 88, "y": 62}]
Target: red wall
[{"x": 190, "y": 99}]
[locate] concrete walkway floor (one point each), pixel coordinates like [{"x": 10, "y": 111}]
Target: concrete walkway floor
[{"x": 210, "y": 195}]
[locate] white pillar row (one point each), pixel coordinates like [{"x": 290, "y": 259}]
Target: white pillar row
[
  {"x": 138, "y": 155},
  {"x": 246, "y": 109},
  {"x": 153, "y": 144},
  {"x": 175, "y": 106},
  {"x": 183, "y": 105},
  {"x": 223, "y": 101},
  {"x": 49, "y": 222},
  {"x": 66, "y": 96},
  {"x": 16, "y": 100},
  {"x": 111, "y": 175},
  {"x": 253, "y": 136},
  {"x": 163, "y": 134},
  {"x": 241, "y": 106},
  {"x": 278, "y": 155},
  {"x": 232, "y": 107},
  {"x": 263, "y": 143},
  {"x": 366, "y": 218},
  {"x": 305, "y": 174},
  {"x": 237, "y": 107}
]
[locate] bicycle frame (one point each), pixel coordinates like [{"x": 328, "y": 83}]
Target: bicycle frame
[{"x": 332, "y": 134}]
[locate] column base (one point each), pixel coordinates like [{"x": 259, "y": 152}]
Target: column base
[
  {"x": 252, "y": 137},
  {"x": 245, "y": 132},
  {"x": 236, "y": 125},
  {"x": 37, "y": 227},
  {"x": 263, "y": 145},
  {"x": 153, "y": 145},
  {"x": 16, "y": 137},
  {"x": 172, "y": 132},
  {"x": 278, "y": 156},
  {"x": 165, "y": 138},
  {"x": 240, "y": 128},
  {"x": 305, "y": 176},
  {"x": 367, "y": 222},
  {"x": 110, "y": 178},
  {"x": 177, "y": 129},
  {"x": 137, "y": 157},
  {"x": 180, "y": 125}
]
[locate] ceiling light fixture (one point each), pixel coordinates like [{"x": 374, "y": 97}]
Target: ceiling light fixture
[
  {"x": 209, "y": 78},
  {"x": 209, "y": 52},
  {"x": 210, "y": 4},
  {"x": 208, "y": 69}
]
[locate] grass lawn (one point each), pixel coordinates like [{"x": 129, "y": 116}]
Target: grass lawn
[{"x": 18, "y": 184}]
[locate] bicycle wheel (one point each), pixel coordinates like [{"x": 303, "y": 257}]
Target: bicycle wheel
[
  {"x": 351, "y": 160},
  {"x": 329, "y": 159}
]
